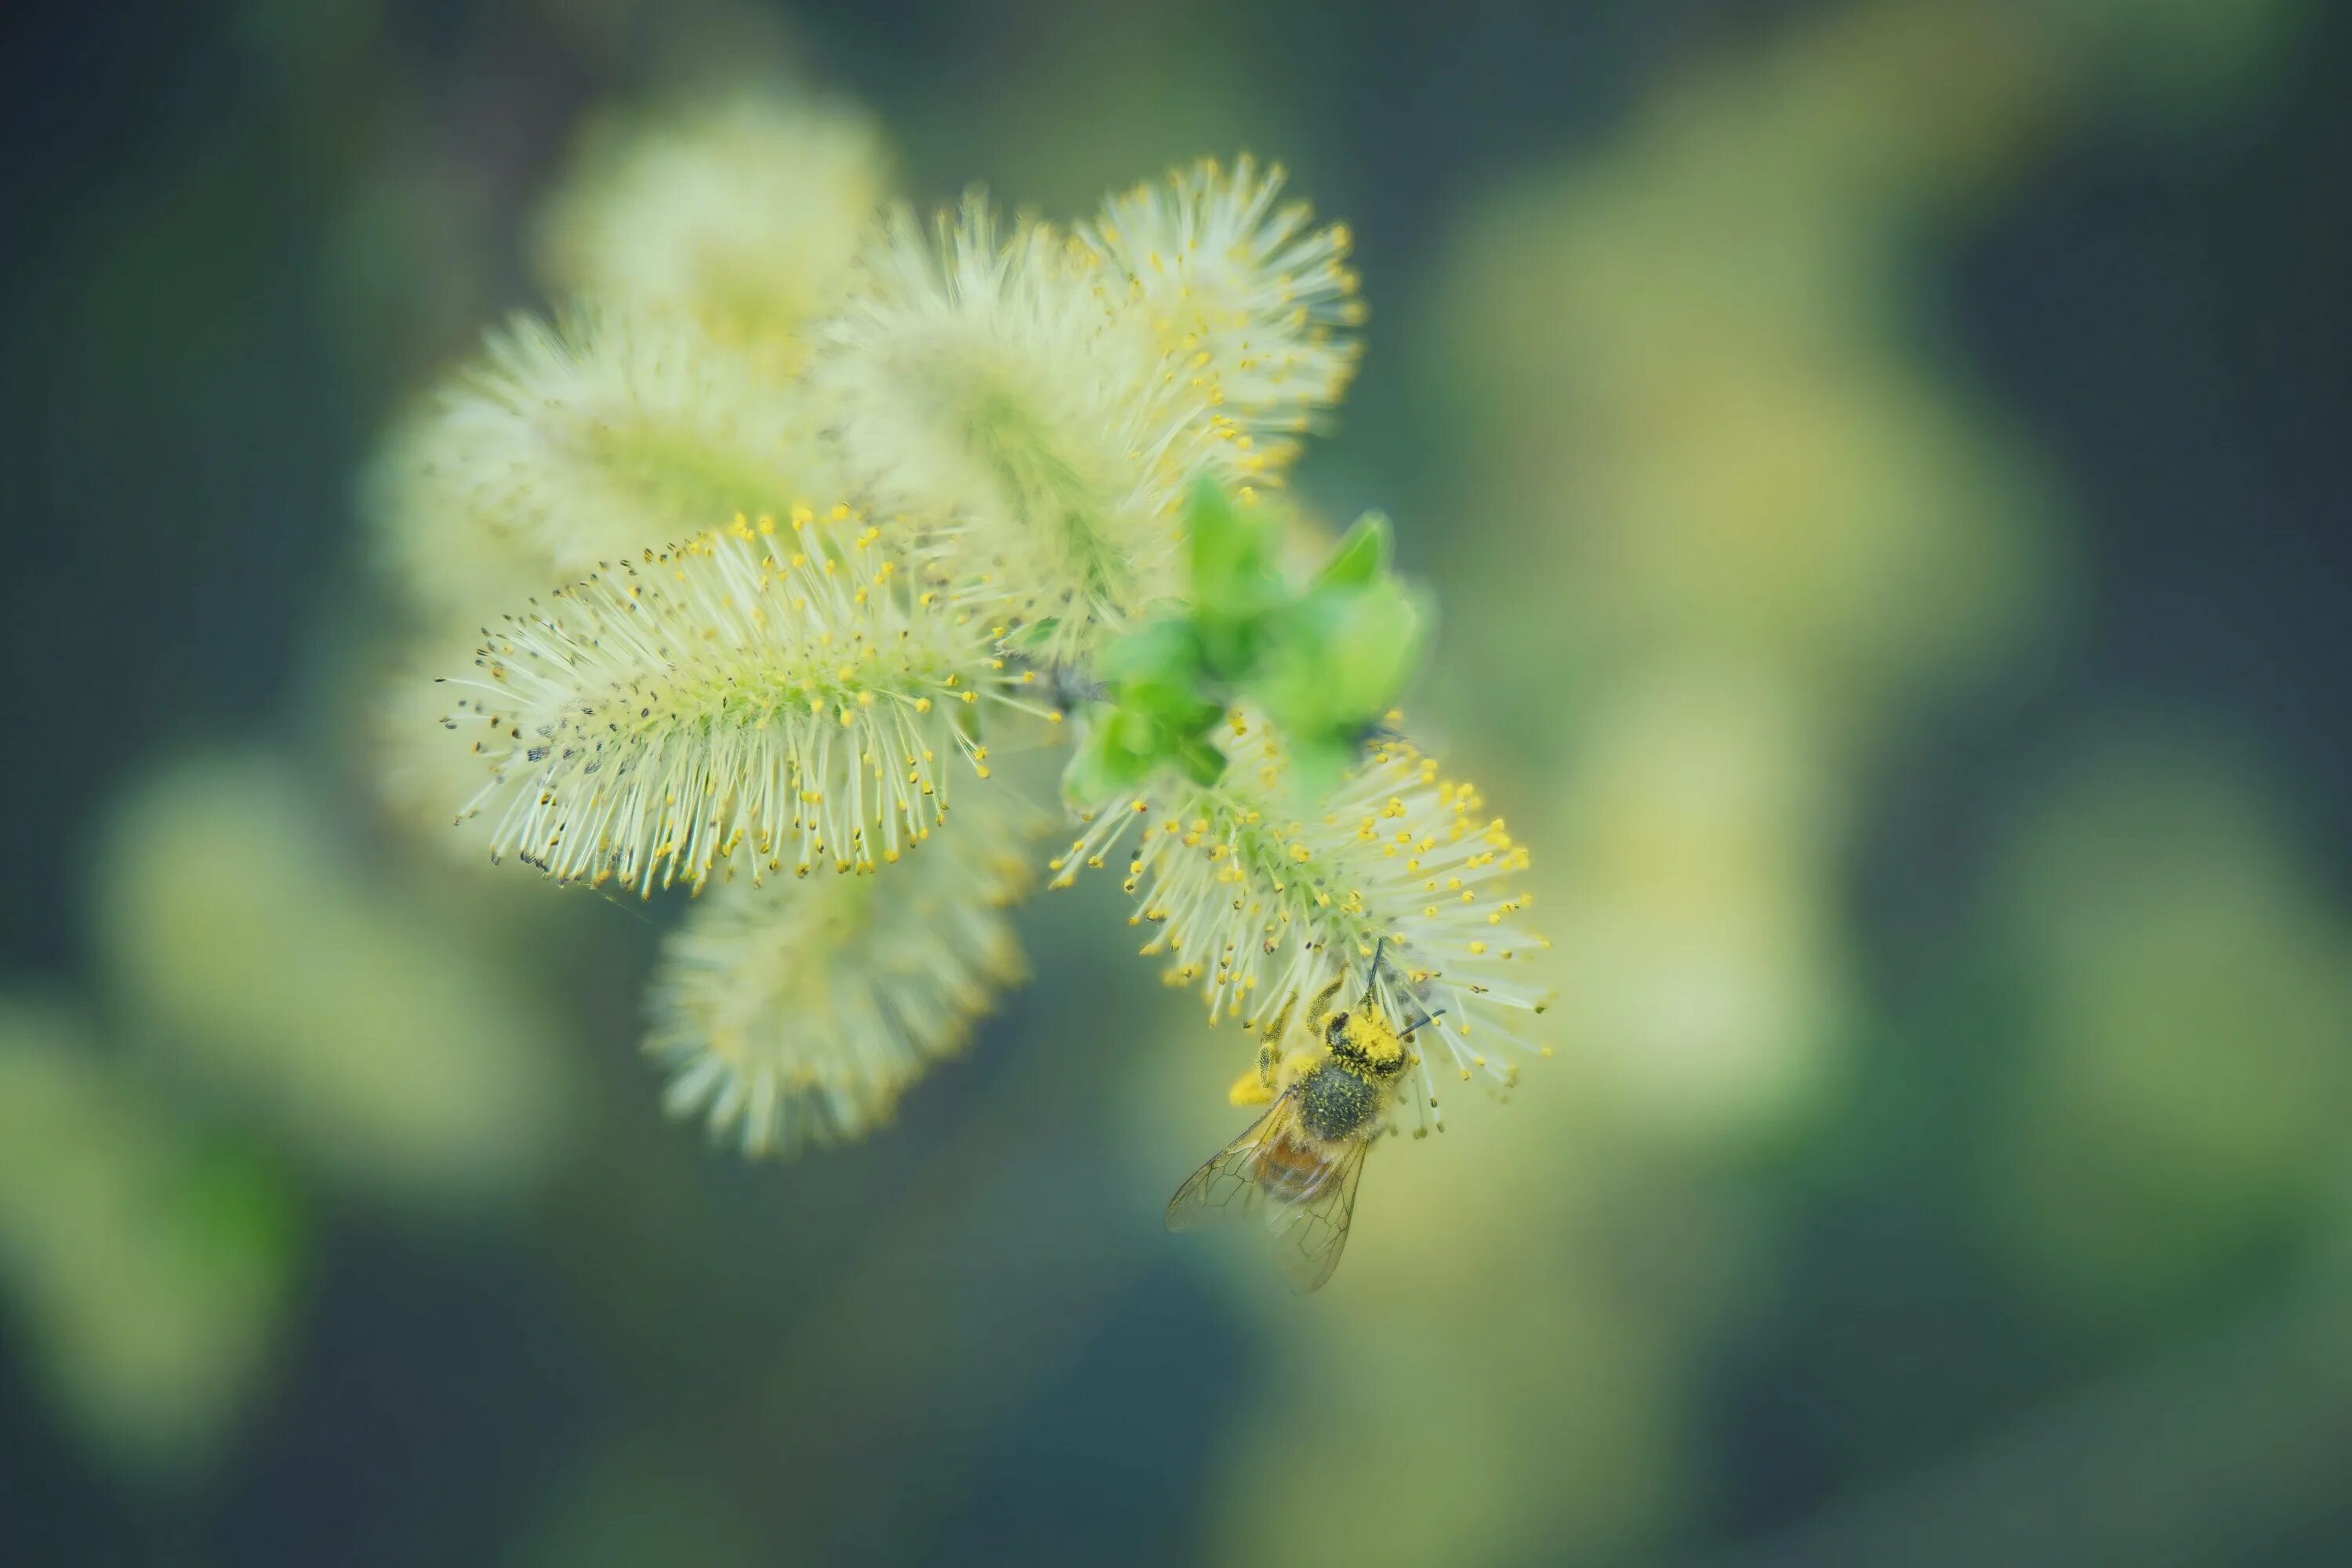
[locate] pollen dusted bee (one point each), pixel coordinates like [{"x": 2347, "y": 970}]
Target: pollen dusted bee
[{"x": 1297, "y": 1166}]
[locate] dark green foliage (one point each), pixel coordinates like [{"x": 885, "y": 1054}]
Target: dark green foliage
[{"x": 1324, "y": 663}]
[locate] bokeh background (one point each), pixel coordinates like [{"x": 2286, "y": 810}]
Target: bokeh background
[{"x": 1883, "y": 465}]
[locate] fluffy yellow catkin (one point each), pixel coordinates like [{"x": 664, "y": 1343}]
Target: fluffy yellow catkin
[
  {"x": 579, "y": 440},
  {"x": 1050, "y": 399},
  {"x": 1261, "y": 905},
  {"x": 779, "y": 691},
  {"x": 1252, "y": 300},
  {"x": 977, "y": 379},
  {"x": 798, "y": 1012},
  {"x": 744, "y": 213},
  {"x": 1018, "y": 413}
]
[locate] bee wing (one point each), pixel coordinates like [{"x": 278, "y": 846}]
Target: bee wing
[
  {"x": 1226, "y": 1187},
  {"x": 1310, "y": 1234}
]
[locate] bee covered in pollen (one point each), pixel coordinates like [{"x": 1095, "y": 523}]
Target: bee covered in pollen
[{"x": 1296, "y": 1167}]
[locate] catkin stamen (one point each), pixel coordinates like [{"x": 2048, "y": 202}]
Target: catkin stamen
[{"x": 738, "y": 690}]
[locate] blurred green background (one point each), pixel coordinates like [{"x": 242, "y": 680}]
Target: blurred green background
[{"x": 1877, "y": 460}]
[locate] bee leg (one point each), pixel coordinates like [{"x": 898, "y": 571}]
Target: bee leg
[
  {"x": 1269, "y": 1046},
  {"x": 1316, "y": 1009},
  {"x": 1269, "y": 1061},
  {"x": 1255, "y": 1086},
  {"x": 1321, "y": 1009}
]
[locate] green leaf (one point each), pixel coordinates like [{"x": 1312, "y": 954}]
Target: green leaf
[
  {"x": 1134, "y": 732},
  {"x": 1232, "y": 554},
  {"x": 1235, "y": 583},
  {"x": 1338, "y": 658},
  {"x": 1362, "y": 555},
  {"x": 1203, "y": 762},
  {"x": 1159, "y": 702},
  {"x": 1160, "y": 653},
  {"x": 1326, "y": 665},
  {"x": 1097, "y": 774}
]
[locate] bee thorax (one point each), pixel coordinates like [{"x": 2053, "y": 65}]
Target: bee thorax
[{"x": 1335, "y": 1104}]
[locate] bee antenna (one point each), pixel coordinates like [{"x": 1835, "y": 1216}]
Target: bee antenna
[
  {"x": 1372, "y": 975},
  {"x": 1425, "y": 1018}
]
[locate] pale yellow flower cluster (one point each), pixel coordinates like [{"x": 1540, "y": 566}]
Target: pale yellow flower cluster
[
  {"x": 798, "y": 1011},
  {"x": 797, "y": 505},
  {"x": 1038, "y": 403},
  {"x": 1258, "y": 904}
]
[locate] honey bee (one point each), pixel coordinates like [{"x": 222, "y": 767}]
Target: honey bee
[{"x": 1297, "y": 1166}]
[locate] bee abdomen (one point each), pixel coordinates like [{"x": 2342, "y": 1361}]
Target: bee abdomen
[
  {"x": 1292, "y": 1172},
  {"x": 1335, "y": 1104}
]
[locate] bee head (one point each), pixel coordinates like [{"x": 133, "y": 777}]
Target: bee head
[{"x": 1360, "y": 1040}]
